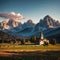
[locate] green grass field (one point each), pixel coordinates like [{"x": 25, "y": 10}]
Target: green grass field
[{"x": 5, "y": 46}]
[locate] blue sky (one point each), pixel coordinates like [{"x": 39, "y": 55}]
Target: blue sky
[{"x": 32, "y": 9}]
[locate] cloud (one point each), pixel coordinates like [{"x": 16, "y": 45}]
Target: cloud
[{"x": 12, "y": 16}]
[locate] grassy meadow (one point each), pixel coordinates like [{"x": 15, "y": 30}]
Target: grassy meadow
[
  {"x": 29, "y": 52},
  {"x": 5, "y": 46}
]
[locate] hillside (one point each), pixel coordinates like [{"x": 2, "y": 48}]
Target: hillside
[{"x": 5, "y": 37}]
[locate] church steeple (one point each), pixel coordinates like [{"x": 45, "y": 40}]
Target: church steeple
[{"x": 42, "y": 36}]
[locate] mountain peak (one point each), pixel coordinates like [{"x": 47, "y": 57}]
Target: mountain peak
[
  {"x": 47, "y": 21},
  {"x": 47, "y": 17},
  {"x": 29, "y": 21}
]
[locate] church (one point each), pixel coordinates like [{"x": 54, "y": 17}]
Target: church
[{"x": 43, "y": 41}]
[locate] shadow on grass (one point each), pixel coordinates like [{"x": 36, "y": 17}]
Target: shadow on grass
[{"x": 49, "y": 55}]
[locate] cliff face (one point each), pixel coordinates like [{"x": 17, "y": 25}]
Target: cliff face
[{"x": 47, "y": 21}]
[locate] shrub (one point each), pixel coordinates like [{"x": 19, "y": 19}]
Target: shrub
[{"x": 53, "y": 41}]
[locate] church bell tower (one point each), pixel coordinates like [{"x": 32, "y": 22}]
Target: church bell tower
[{"x": 42, "y": 36}]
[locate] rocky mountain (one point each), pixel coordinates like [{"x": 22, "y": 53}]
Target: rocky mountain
[
  {"x": 29, "y": 23},
  {"x": 46, "y": 23},
  {"x": 29, "y": 29},
  {"x": 20, "y": 30},
  {"x": 13, "y": 23},
  {"x": 49, "y": 22}
]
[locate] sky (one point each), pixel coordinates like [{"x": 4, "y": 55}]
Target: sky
[{"x": 31, "y": 9}]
